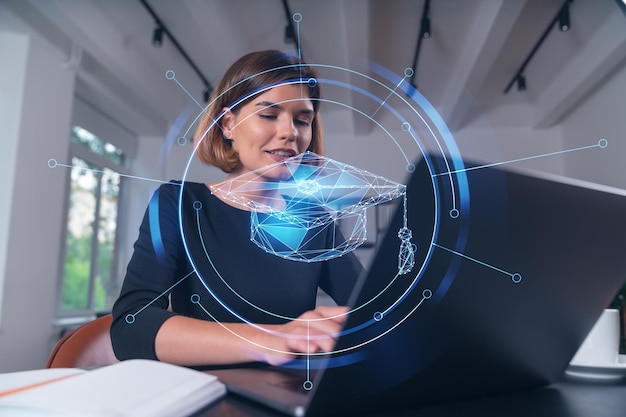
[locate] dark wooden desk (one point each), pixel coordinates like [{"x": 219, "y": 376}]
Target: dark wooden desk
[{"x": 567, "y": 398}]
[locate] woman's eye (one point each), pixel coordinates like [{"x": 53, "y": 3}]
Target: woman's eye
[
  {"x": 301, "y": 122},
  {"x": 267, "y": 116}
]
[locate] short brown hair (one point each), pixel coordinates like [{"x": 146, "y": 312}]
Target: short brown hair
[{"x": 252, "y": 73}]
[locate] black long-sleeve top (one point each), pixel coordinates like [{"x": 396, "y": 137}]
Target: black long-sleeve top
[{"x": 200, "y": 262}]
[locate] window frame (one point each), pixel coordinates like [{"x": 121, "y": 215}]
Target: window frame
[{"x": 99, "y": 162}]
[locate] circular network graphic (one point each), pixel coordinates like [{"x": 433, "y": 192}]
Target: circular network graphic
[
  {"x": 430, "y": 215},
  {"x": 401, "y": 293}
]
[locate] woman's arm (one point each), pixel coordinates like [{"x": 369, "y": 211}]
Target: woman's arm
[
  {"x": 141, "y": 308},
  {"x": 190, "y": 342},
  {"x": 143, "y": 328}
]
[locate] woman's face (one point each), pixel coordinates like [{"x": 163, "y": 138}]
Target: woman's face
[{"x": 270, "y": 128}]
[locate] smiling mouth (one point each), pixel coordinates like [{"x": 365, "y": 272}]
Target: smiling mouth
[{"x": 283, "y": 153}]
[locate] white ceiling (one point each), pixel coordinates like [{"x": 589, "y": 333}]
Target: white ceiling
[{"x": 475, "y": 49}]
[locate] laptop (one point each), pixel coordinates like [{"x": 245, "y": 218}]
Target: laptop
[{"x": 512, "y": 269}]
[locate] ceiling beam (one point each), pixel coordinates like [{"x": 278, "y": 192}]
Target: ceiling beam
[
  {"x": 110, "y": 56},
  {"x": 358, "y": 51},
  {"x": 490, "y": 29}
]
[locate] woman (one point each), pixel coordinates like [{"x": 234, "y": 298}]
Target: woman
[{"x": 201, "y": 292}]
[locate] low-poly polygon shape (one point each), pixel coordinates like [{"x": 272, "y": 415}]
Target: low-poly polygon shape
[{"x": 293, "y": 203}]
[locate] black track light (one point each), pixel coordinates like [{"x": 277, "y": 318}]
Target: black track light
[
  {"x": 157, "y": 40},
  {"x": 206, "y": 94},
  {"x": 561, "y": 18},
  {"x": 425, "y": 28},
  {"x": 521, "y": 82},
  {"x": 157, "y": 37},
  {"x": 290, "y": 36},
  {"x": 424, "y": 33},
  {"x": 564, "y": 23}
]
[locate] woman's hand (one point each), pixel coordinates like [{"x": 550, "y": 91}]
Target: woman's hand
[
  {"x": 187, "y": 341},
  {"x": 315, "y": 331}
]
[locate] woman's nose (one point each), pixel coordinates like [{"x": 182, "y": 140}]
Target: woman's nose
[{"x": 287, "y": 128}]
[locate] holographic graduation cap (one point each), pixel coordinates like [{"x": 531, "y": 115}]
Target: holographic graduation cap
[{"x": 312, "y": 196}]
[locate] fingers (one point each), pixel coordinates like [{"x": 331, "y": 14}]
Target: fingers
[
  {"x": 337, "y": 314},
  {"x": 316, "y": 330},
  {"x": 313, "y": 332}
]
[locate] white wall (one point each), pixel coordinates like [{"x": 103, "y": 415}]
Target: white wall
[
  {"x": 601, "y": 115},
  {"x": 11, "y": 89},
  {"x": 41, "y": 105}
]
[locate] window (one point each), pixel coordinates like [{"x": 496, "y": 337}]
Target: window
[{"x": 88, "y": 283}]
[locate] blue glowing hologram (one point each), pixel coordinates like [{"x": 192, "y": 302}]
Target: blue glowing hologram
[
  {"x": 302, "y": 198},
  {"x": 406, "y": 257}
]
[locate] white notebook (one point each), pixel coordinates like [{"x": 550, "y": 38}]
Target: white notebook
[{"x": 137, "y": 388}]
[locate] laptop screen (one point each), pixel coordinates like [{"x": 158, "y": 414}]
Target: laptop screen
[{"x": 511, "y": 271}]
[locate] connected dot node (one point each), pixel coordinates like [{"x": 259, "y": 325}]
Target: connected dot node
[
  {"x": 297, "y": 17},
  {"x": 307, "y": 385},
  {"x": 603, "y": 143},
  {"x": 378, "y": 316},
  {"x": 427, "y": 294},
  {"x": 405, "y": 233},
  {"x": 410, "y": 167},
  {"x": 312, "y": 82},
  {"x": 197, "y": 205},
  {"x": 195, "y": 298},
  {"x": 406, "y": 126},
  {"x": 170, "y": 75},
  {"x": 52, "y": 163},
  {"x": 130, "y": 318},
  {"x": 308, "y": 187},
  {"x": 516, "y": 278},
  {"x": 182, "y": 141},
  {"x": 454, "y": 213},
  {"x": 408, "y": 72}
]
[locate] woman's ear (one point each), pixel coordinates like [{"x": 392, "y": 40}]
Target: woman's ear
[{"x": 227, "y": 122}]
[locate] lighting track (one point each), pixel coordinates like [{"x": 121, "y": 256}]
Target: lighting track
[
  {"x": 162, "y": 28},
  {"x": 424, "y": 33},
  {"x": 562, "y": 17}
]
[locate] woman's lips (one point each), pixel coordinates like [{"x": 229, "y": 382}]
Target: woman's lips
[{"x": 280, "y": 155}]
